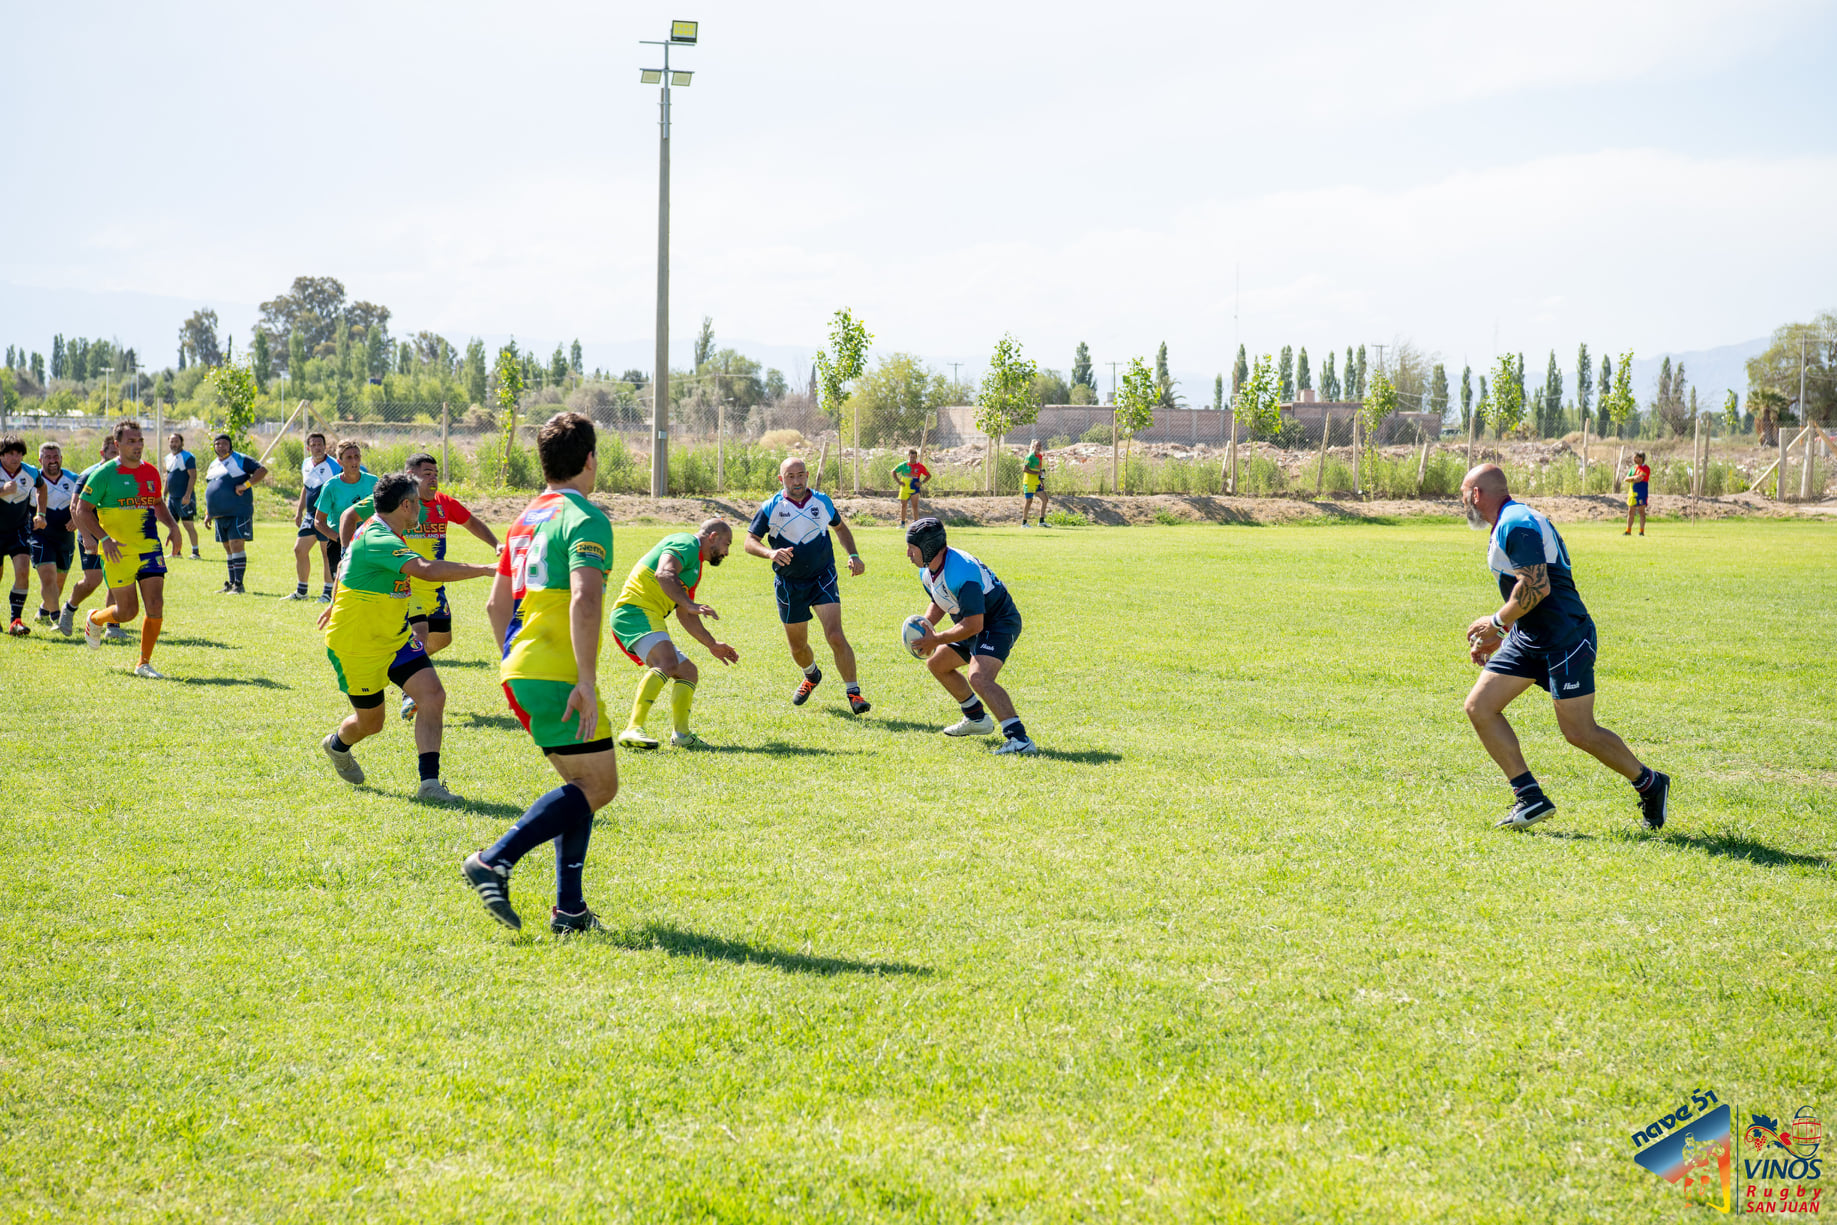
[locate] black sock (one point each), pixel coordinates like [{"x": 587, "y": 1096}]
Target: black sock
[
  {"x": 1014, "y": 729},
  {"x": 1525, "y": 786},
  {"x": 239, "y": 566},
  {"x": 299, "y": 588},
  {"x": 570, "y": 859},
  {"x": 69, "y": 606},
  {"x": 1645, "y": 780},
  {"x": 551, "y": 816},
  {"x": 813, "y": 672},
  {"x": 18, "y": 602},
  {"x": 972, "y": 708},
  {"x": 338, "y": 743},
  {"x": 430, "y": 766}
]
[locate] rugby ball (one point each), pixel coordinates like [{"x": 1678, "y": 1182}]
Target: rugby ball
[{"x": 915, "y": 628}]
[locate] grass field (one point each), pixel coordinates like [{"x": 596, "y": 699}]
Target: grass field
[{"x": 1242, "y": 945}]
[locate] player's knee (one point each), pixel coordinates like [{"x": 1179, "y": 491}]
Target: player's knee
[
  {"x": 1476, "y": 708},
  {"x": 838, "y": 641},
  {"x": 686, "y": 671},
  {"x": 369, "y": 719},
  {"x": 1579, "y": 735}
]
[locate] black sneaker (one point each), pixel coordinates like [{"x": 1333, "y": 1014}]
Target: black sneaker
[
  {"x": 228, "y": 588},
  {"x": 1527, "y": 812},
  {"x": 806, "y": 687},
  {"x": 859, "y": 704},
  {"x": 562, "y": 923},
  {"x": 1652, "y": 801},
  {"x": 493, "y": 887}
]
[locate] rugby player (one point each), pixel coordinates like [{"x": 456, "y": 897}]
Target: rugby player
[
  {"x": 87, "y": 557},
  {"x": 1639, "y": 487},
  {"x": 229, "y": 505},
  {"x": 18, "y": 503},
  {"x": 368, "y": 643},
  {"x": 182, "y": 493},
  {"x": 351, "y": 486},
  {"x": 1542, "y": 635},
  {"x": 984, "y": 625},
  {"x": 1033, "y": 480},
  {"x": 911, "y": 477},
  {"x": 545, "y": 610},
  {"x": 664, "y": 582},
  {"x": 120, "y": 508},
  {"x": 54, "y": 545},
  {"x": 791, "y": 530},
  {"x": 315, "y": 470}
]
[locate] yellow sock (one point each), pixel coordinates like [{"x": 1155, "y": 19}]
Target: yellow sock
[
  {"x": 648, "y": 689},
  {"x": 681, "y": 698}
]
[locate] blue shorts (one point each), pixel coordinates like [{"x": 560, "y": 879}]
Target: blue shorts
[
  {"x": 55, "y": 546},
  {"x": 796, "y": 596},
  {"x": 89, "y": 561},
  {"x": 233, "y": 527},
  {"x": 1566, "y": 671},
  {"x": 1640, "y": 495},
  {"x": 182, "y": 510},
  {"x": 996, "y": 640},
  {"x": 16, "y": 540}
]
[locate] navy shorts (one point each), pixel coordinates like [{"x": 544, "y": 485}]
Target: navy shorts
[
  {"x": 1566, "y": 671},
  {"x": 16, "y": 540},
  {"x": 797, "y": 596},
  {"x": 311, "y": 529},
  {"x": 55, "y": 546},
  {"x": 90, "y": 561},
  {"x": 182, "y": 510},
  {"x": 233, "y": 527},
  {"x": 1640, "y": 495},
  {"x": 996, "y": 640}
]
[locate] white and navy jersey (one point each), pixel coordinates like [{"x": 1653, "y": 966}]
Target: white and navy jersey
[
  {"x": 963, "y": 587},
  {"x": 313, "y": 476},
  {"x": 60, "y": 492},
  {"x": 803, "y": 527},
  {"x": 180, "y": 465},
  {"x": 1523, "y": 537},
  {"x": 18, "y": 497},
  {"x": 220, "y": 481}
]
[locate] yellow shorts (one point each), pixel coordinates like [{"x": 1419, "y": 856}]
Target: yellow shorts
[
  {"x": 1031, "y": 482},
  {"x": 139, "y": 559}
]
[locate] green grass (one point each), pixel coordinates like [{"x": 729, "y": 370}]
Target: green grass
[{"x": 1242, "y": 945}]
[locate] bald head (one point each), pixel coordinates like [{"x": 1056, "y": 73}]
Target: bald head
[
  {"x": 1483, "y": 493},
  {"x": 717, "y": 538},
  {"x": 794, "y": 476},
  {"x": 711, "y": 528},
  {"x": 1488, "y": 478}
]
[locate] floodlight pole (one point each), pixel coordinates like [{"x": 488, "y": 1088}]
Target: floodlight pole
[{"x": 660, "y": 382}]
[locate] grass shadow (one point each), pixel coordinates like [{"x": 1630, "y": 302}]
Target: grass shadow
[
  {"x": 1089, "y": 757},
  {"x": 1734, "y": 846},
  {"x": 892, "y": 725},
  {"x": 488, "y": 808},
  {"x": 776, "y": 748},
  {"x": 442, "y": 662},
  {"x": 679, "y": 943},
  {"x": 472, "y": 718},
  {"x": 253, "y": 682},
  {"x": 181, "y": 640}
]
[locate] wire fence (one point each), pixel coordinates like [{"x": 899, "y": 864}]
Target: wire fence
[{"x": 1317, "y": 451}]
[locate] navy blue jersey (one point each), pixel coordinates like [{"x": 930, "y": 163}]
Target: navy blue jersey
[
  {"x": 181, "y": 468},
  {"x": 220, "y": 481},
  {"x": 801, "y": 527},
  {"x": 1523, "y": 537},
  {"x": 18, "y": 497},
  {"x": 60, "y": 492},
  {"x": 963, "y": 587}
]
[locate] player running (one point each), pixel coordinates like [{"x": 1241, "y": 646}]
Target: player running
[
  {"x": 984, "y": 625},
  {"x": 120, "y": 508},
  {"x": 545, "y": 609},
  {"x": 911, "y": 477},
  {"x": 1639, "y": 485},
  {"x": 1542, "y": 635},
  {"x": 182, "y": 492},
  {"x": 229, "y": 505},
  {"x": 54, "y": 545},
  {"x": 664, "y": 582},
  {"x": 351, "y": 486},
  {"x": 316, "y": 469},
  {"x": 792, "y": 530},
  {"x": 1033, "y": 480},
  {"x": 18, "y": 503},
  {"x": 88, "y": 558},
  {"x": 368, "y": 641}
]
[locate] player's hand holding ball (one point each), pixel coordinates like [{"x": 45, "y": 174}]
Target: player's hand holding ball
[{"x": 917, "y": 636}]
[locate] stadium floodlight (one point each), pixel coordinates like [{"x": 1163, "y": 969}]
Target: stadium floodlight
[{"x": 682, "y": 34}]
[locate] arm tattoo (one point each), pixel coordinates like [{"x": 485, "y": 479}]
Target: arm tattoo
[{"x": 1533, "y": 586}]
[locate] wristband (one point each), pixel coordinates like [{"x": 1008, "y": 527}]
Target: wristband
[
  {"x": 854, "y": 557},
  {"x": 1500, "y": 627}
]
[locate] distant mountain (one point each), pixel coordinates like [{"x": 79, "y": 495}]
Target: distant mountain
[{"x": 1713, "y": 372}]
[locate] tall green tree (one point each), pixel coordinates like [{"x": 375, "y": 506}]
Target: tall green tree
[
  {"x": 1584, "y": 382},
  {"x": 1164, "y": 382},
  {"x": 474, "y": 372},
  {"x": 1285, "y": 374},
  {"x": 1505, "y": 409},
  {"x": 1605, "y": 384},
  {"x": 234, "y": 385},
  {"x": 1304, "y": 380},
  {"x": 843, "y": 361},
  {"x": 574, "y": 358},
  {"x": 1329, "y": 378},
  {"x": 1240, "y": 373},
  {"x": 296, "y": 362},
  {"x": 1553, "y": 399},
  {"x": 1619, "y": 404},
  {"x": 1358, "y": 390},
  {"x": 198, "y": 338},
  {"x": 38, "y": 367},
  {"x": 263, "y": 367},
  {"x": 1135, "y": 405},
  {"x": 376, "y": 352},
  {"x": 1776, "y": 370},
  {"x": 558, "y": 367},
  {"x": 1466, "y": 395},
  {"x": 1258, "y": 403},
  {"x": 57, "y": 356},
  {"x": 1381, "y": 403},
  {"x": 1082, "y": 374},
  {"x": 704, "y": 342},
  {"x": 1218, "y": 393},
  {"x": 1438, "y": 391},
  {"x": 1731, "y": 412},
  {"x": 1005, "y": 400},
  {"x": 894, "y": 400}
]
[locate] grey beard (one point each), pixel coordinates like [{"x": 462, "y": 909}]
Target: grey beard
[{"x": 1474, "y": 520}]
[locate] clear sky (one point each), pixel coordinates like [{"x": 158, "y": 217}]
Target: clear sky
[{"x": 1636, "y": 175}]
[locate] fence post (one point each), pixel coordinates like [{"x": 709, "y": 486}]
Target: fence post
[
  {"x": 1358, "y": 457},
  {"x": 1114, "y": 487},
  {"x": 857, "y": 451},
  {"x": 1326, "y": 432},
  {"x": 1620, "y": 465},
  {"x": 446, "y": 453},
  {"x": 1811, "y": 452},
  {"x": 720, "y": 447},
  {"x": 1779, "y": 482},
  {"x": 1422, "y": 466},
  {"x": 1584, "y": 451}
]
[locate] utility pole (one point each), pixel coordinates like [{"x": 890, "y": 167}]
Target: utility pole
[
  {"x": 954, "y": 382},
  {"x": 682, "y": 33},
  {"x": 1113, "y": 366}
]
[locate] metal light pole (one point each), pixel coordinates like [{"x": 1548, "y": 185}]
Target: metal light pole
[{"x": 682, "y": 33}]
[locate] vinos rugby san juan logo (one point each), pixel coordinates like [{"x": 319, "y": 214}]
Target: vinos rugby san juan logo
[{"x": 1734, "y": 1162}]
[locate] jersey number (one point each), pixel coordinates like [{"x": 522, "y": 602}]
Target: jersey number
[{"x": 527, "y": 570}]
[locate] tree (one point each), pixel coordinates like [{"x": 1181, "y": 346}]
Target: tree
[
  {"x": 57, "y": 356},
  {"x": 1304, "y": 380},
  {"x": 559, "y": 369},
  {"x": 1553, "y": 399},
  {"x": 1479, "y": 409},
  {"x": 1603, "y": 420},
  {"x": 1218, "y": 394},
  {"x": 1329, "y": 378},
  {"x": 234, "y": 385},
  {"x": 376, "y": 353},
  {"x": 311, "y": 307},
  {"x": 1776, "y": 369},
  {"x": 473, "y": 371},
  {"x": 1731, "y": 412},
  {"x": 1349, "y": 381},
  {"x": 1506, "y": 408},
  {"x": 1082, "y": 375},
  {"x": 1466, "y": 395},
  {"x": 1358, "y": 389},
  {"x": 843, "y": 360},
  {"x": 704, "y": 342},
  {"x": 1671, "y": 405},
  {"x": 775, "y": 386},
  {"x": 1258, "y": 403},
  {"x": 1164, "y": 382},
  {"x": 1136, "y": 399},
  {"x": 296, "y": 360},
  {"x": 198, "y": 338},
  {"x": 895, "y": 400},
  {"x": 1285, "y": 373},
  {"x": 574, "y": 359},
  {"x": 1240, "y": 373},
  {"x": 1381, "y": 403},
  {"x": 263, "y": 367},
  {"x": 1438, "y": 392},
  {"x": 38, "y": 367},
  {"x": 1005, "y": 399},
  {"x": 1049, "y": 388},
  {"x": 1584, "y": 382},
  {"x": 1619, "y": 403}
]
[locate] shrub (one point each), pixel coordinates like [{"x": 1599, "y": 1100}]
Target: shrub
[
  {"x": 783, "y": 440},
  {"x": 1099, "y": 434},
  {"x": 1067, "y": 518},
  {"x": 1168, "y": 518}
]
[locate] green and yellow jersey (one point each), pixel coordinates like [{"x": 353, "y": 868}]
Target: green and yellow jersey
[
  {"x": 369, "y": 613},
  {"x": 557, "y": 534},
  {"x": 642, "y": 590},
  {"x": 124, "y": 499}
]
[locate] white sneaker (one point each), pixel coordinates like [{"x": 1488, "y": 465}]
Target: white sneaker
[
  {"x": 343, "y": 761},
  {"x": 115, "y": 633},
  {"x": 66, "y": 622},
  {"x": 972, "y": 727},
  {"x": 145, "y": 672},
  {"x": 408, "y": 707},
  {"x": 686, "y": 740},
  {"x": 1018, "y": 745},
  {"x": 92, "y": 634},
  {"x": 435, "y": 792},
  {"x": 634, "y": 738}
]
